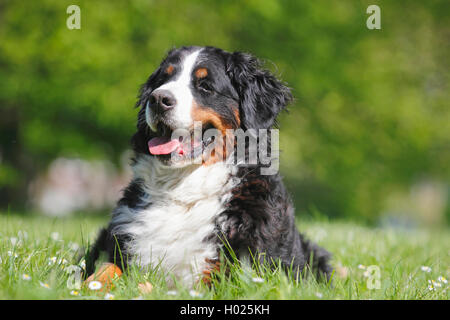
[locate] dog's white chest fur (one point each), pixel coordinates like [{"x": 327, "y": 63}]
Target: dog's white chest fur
[{"x": 184, "y": 205}]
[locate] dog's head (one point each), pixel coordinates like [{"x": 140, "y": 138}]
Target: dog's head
[{"x": 200, "y": 88}]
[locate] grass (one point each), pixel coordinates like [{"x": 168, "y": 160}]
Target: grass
[{"x": 36, "y": 254}]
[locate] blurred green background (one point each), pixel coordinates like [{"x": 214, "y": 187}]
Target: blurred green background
[{"x": 368, "y": 137}]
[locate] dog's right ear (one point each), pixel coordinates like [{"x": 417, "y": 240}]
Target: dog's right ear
[{"x": 261, "y": 95}]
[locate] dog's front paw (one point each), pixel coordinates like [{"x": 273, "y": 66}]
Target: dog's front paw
[{"x": 212, "y": 266}]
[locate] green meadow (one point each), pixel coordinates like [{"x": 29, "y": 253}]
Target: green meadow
[{"x": 38, "y": 254}]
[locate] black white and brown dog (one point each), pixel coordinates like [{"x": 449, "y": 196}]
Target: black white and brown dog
[{"x": 178, "y": 213}]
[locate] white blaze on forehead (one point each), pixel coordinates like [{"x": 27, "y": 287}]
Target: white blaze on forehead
[{"x": 180, "y": 88}]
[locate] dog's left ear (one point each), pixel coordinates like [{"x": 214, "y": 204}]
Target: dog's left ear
[{"x": 261, "y": 95}]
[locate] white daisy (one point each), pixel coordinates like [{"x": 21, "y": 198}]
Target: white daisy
[
  {"x": 74, "y": 293},
  {"x": 95, "y": 285},
  {"x": 44, "y": 285},
  {"x": 442, "y": 279},
  {"x": 434, "y": 283},
  {"x": 26, "y": 277},
  {"x": 109, "y": 296},
  {"x": 52, "y": 260},
  {"x": 12, "y": 254},
  {"x": 194, "y": 293},
  {"x": 362, "y": 267},
  {"x": 425, "y": 269},
  {"x": 258, "y": 280},
  {"x": 54, "y": 236}
]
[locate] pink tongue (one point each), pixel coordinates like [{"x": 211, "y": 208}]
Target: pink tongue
[{"x": 163, "y": 145}]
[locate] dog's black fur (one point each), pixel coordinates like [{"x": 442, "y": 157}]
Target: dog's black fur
[{"x": 260, "y": 214}]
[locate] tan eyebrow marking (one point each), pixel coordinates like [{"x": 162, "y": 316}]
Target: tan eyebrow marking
[
  {"x": 201, "y": 73},
  {"x": 169, "y": 69}
]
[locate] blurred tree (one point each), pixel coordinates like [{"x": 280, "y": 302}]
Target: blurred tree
[{"x": 371, "y": 114}]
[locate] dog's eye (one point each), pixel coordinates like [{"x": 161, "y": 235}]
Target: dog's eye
[{"x": 205, "y": 87}]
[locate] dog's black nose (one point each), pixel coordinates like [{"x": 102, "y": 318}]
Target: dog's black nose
[{"x": 162, "y": 100}]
